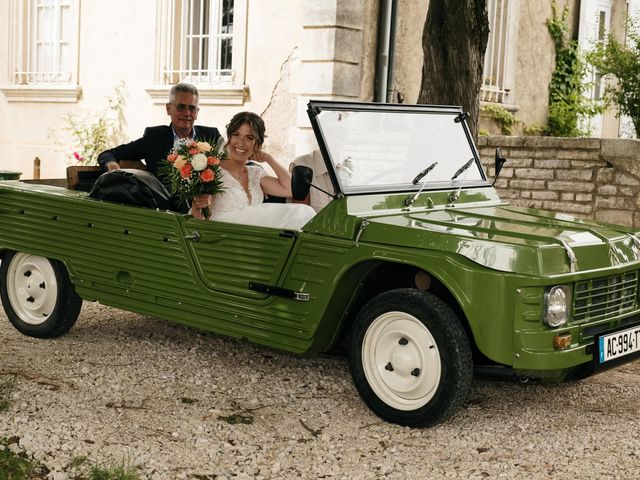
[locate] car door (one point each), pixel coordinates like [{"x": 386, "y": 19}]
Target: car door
[{"x": 228, "y": 258}]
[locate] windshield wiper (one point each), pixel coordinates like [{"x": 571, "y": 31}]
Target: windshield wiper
[
  {"x": 423, "y": 174},
  {"x": 455, "y": 195},
  {"x": 463, "y": 168}
]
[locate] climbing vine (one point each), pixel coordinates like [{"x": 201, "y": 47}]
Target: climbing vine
[{"x": 567, "y": 103}]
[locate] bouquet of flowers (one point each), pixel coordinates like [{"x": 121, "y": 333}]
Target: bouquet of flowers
[{"x": 193, "y": 168}]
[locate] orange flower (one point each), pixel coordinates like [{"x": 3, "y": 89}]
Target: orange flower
[
  {"x": 207, "y": 175},
  {"x": 185, "y": 172},
  {"x": 213, "y": 160},
  {"x": 172, "y": 157},
  {"x": 193, "y": 150}
]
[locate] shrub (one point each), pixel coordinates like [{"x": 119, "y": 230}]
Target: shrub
[
  {"x": 94, "y": 131},
  {"x": 621, "y": 61},
  {"x": 503, "y": 117}
]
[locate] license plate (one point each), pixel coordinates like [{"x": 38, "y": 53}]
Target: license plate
[{"x": 612, "y": 346}]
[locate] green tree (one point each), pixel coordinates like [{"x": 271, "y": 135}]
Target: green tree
[{"x": 621, "y": 60}]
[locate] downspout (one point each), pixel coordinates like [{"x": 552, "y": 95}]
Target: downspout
[{"x": 386, "y": 52}]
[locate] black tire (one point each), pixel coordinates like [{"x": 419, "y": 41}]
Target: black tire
[
  {"x": 37, "y": 295},
  {"x": 434, "y": 367}
]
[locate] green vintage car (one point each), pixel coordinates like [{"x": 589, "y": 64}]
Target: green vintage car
[{"x": 416, "y": 265}]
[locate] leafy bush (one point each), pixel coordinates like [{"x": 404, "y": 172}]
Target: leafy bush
[
  {"x": 534, "y": 130},
  {"x": 94, "y": 131},
  {"x": 503, "y": 117},
  {"x": 623, "y": 62}
]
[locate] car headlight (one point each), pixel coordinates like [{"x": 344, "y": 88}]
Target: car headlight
[{"x": 557, "y": 305}]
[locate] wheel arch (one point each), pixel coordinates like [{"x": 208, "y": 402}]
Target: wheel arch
[
  {"x": 73, "y": 278},
  {"x": 365, "y": 280}
]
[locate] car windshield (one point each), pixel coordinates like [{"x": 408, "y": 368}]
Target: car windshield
[{"x": 397, "y": 148}]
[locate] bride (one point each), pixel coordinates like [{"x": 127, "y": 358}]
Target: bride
[{"x": 244, "y": 186}]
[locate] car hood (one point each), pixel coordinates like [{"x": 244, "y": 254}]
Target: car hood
[{"x": 510, "y": 239}]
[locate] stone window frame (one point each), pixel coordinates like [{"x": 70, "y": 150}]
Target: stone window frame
[
  {"x": 27, "y": 83},
  {"x": 500, "y": 59},
  {"x": 227, "y": 88}
]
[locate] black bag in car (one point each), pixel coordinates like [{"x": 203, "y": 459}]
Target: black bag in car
[{"x": 132, "y": 187}]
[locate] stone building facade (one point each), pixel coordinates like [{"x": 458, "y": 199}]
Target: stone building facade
[{"x": 270, "y": 57}]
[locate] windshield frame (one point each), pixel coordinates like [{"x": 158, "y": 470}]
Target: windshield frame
[{"x": 315, "y": 107}]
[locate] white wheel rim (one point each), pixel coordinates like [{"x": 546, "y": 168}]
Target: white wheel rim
[
  {"x": 32, "y": 288},
  {"x": 401, "y": 361}
]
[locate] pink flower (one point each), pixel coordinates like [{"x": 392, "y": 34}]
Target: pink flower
[
  {"x": 172, "y": 157},
  {"x": 193, "y": 151},
  {"x": 213, "y": 160},
  {"x": 207, "y": 175},
  {"x": 78, "y": 157},
  {"x": 185, "y": 172}
]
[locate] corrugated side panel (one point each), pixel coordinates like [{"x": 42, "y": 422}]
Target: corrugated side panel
[
  {"x": 315, "y": 268},
  {"x": 137, "y": 259}
]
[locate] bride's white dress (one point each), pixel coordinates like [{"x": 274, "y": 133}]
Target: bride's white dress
[{"x": 234, "y": 205}]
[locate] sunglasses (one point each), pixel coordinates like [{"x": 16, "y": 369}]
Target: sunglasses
[{"x": 181, "y": 107}]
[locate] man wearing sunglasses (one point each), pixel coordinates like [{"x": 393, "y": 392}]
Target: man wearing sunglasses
[{"x": 156, "y": 142}]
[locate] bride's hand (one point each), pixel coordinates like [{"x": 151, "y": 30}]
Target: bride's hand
[
  {"x": 201, "y": 201},
  {"x": 261, "y": 156}
]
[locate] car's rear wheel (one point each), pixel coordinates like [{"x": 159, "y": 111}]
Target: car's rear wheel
[
  {"x": 410, "y": 358},
  {"x": 37, "y": 295}
]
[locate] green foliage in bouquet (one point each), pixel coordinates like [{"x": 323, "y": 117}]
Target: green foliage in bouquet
[{"x": 193, "y": 168}]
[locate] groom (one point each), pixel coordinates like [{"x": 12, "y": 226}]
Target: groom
[{"x": 156, "y": 142}]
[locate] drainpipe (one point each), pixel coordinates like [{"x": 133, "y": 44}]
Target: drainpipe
[{"x": 386, "y": 51}]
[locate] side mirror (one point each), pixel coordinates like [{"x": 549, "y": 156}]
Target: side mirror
[
  {"x": 499, "y": 162},
  {"x": 301, "y": 178}
]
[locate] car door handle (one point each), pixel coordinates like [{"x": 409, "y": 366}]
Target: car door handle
[{"x": 194, "y": 237}]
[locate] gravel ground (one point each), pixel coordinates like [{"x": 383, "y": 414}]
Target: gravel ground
[{"x": 181, "y": 404}]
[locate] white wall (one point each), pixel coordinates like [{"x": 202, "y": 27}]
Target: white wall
[{"x": 117, "y": 42}]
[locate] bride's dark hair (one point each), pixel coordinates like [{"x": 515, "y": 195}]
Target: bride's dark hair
[{"x": 253, "y": 120}]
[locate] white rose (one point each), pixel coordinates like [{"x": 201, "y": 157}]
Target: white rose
[{"x": 199, "y": 162}]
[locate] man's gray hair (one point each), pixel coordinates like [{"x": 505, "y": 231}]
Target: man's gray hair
[{"x": 182, "y": 88}]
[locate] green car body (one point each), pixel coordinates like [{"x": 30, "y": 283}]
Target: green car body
[{"x": 490, "y": 263}]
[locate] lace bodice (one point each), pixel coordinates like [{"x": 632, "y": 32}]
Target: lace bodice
[{"x": 233, "y": 197}]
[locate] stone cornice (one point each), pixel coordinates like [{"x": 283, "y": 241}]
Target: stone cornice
[
  {"x": 224, "y": 94},
  {"x": 42, "y": 93}
]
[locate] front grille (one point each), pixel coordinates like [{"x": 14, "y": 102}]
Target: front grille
[{"x": 605, "y": 297}]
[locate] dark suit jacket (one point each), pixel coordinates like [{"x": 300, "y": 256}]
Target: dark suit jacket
[{"x": 155, "y": 144}]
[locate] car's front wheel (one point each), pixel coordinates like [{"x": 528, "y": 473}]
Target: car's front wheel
[
  {"x": 410, "y": 358},
  {"x": 37, "y": 295}
]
